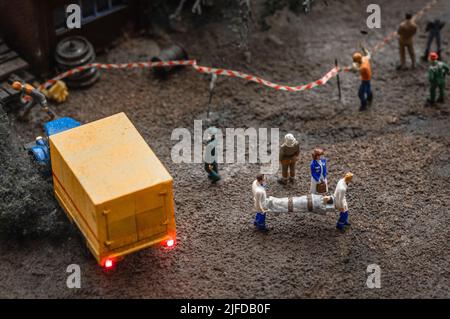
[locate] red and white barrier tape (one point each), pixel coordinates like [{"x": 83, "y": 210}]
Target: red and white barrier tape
[
  {"x": 330, "y": 74},
  {"x": 109, "y": 66},
  {"x": 203, "y": 69}
]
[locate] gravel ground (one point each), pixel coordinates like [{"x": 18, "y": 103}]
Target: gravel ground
[{"x": 398, "y": 150}]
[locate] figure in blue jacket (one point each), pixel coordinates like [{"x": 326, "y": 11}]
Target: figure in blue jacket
[{"x": 319, "y": 184}]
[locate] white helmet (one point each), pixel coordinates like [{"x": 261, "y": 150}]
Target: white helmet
[{"x": 289, "y": 140}]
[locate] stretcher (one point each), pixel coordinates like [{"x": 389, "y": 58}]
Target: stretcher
[{"x": 312, "y": 203}]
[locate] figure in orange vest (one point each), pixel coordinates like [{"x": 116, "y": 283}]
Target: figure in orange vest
[
  {"x": 29, "y": 97},
  {"x": 361, "y": 63}
]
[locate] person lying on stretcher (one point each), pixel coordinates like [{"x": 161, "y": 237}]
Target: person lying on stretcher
[{"x": 318, "y": 204}]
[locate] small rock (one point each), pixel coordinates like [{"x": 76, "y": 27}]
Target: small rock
[
  {"x": 392, "y": 120},
  {"x": 274, "y": 39}
]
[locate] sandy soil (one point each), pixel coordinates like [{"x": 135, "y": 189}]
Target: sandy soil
[{"x": 398, "y": 150}]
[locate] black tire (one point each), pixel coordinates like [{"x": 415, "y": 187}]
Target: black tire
[{"x": 43, "y": 169}]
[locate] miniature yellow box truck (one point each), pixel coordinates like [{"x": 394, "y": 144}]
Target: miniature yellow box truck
[{"x": 113, "y": 187}]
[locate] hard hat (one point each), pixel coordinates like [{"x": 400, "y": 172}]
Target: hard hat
[
  {"x": 289, "y": 140},
  {"x": 357, "y": 57},
  {"x": 434, "y": 56},
  {"x": 17, "y": 85},
  {"x": 348, "y": 176}
]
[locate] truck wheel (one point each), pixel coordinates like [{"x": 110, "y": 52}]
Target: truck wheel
[{"x": 43, "y": 170}]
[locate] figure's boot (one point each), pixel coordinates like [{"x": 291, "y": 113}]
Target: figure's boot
[
  {"x": 283, "y": 181},
  {"x": 441, "y": 94},
  {"x": 346, "y": 222},
  {"x": 341, "y": 221},
  {"x": 257, "y": 219},
  {"x": 370, "y": 99},
  {"x": 429, "y": 103},
  {"x": 425, "y": 56},
  {"x": 214, "y": 176},
  {"x": 363, "y": 106},
  {"x": 262, "y": 223},
  {"x": 431, "y": 100}
]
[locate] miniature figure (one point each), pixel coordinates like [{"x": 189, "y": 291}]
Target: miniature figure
[
  {"x": 289, "y": 152},
  {"x": 307, "y": 4},
  {"x": 29, "y": 97},
  {"x": 362, "y": 64},
  {"x": 211, "y": 165},
  {"x": 340, "y": 202},
  {"x": 319, "y": 184},
  {"x": 434, "y": 32},
  {"x": 406, "y": 32},
  {"x": 260, "y": 200},
  {"x": 436, "y": 76}
]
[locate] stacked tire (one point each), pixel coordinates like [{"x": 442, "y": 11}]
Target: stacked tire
[{"x": 73, "y": 52}]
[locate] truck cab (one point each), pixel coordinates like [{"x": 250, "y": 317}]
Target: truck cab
[{"x": 40, "y": 149}]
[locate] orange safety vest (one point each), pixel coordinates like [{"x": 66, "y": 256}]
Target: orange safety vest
[{"x": 365, "y": 70}]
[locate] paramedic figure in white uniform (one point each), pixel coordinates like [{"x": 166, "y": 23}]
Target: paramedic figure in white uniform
[
  {"x": 259, "y": 198},
  {"x": 341, "y": 202}
]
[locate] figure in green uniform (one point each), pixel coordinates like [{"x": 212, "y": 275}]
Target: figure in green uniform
[{"x": 436, "y": 75}]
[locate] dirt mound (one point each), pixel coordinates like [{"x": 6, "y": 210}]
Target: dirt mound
[{"x": 27, "y": 205}]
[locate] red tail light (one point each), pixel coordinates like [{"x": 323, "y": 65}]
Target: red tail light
[
  {"x": 170, "y": 243},
  {"x": 109, "y": 263}
]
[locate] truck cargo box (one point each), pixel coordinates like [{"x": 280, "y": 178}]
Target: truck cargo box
[{"x": 113, "y": 187}]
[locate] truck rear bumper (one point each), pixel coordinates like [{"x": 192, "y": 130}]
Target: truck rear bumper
[
  {"x": 123, "y": 251},
  {"x": 92, "y": 241}
]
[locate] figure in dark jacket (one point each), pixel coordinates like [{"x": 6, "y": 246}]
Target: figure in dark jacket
[
  {"x": 210, "y": 160},
  {"x": 434, "y": 32}
]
